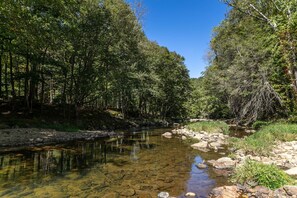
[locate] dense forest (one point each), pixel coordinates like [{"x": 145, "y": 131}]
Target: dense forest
[
  {"x": 91, "y": 54},
  {"x": 94, "y": 55},
  {"x": 252, "y": 73}
]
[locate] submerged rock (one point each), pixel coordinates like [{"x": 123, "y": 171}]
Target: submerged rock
[
  {"x": 190, "y": 194},
  {"x": 201, "y": 166},
  {"x": 167, "y": 135},
  {"x": 163, "y": 195}
]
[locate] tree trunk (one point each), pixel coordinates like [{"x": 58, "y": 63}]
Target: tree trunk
[
  {"x": 32, "y": 87},
  {"x": 27, "y": 81},
  {"x": 0, "y": 75},
  {"x": 42, "y": 92},
  {"x": 72, "y": 79},
  {"x": 19, "y": 79},
  {"x": 11, "y": 76},
  {"x": 6, "y": 80},
  {"x": 64, "y": 94}
]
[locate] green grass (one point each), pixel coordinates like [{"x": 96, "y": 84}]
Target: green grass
[
  {"x": 256, "y": 173},
  {"x": 211, "y": 127},
  {"x": 259, "y": 124},
  {"x": 262, "y": 141}
]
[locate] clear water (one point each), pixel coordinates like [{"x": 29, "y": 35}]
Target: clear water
[{"x": 141, "y": 164}]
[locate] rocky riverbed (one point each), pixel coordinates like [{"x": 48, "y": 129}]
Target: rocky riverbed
[
  {"x": 284, "y": 155},
  {"x": 14, "y": 139}
]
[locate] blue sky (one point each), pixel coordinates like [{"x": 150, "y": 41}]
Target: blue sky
[{"x": 184, "y": 26}]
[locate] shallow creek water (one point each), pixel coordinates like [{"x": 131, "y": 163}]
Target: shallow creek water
[{"x": 142, "y": 164}]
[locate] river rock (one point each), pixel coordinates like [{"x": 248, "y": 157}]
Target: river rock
[
  {"x": 184, "y": 137},
  {"x": 190, "y": 194},
  {"x": 223, "y": 163},
  {"x": 128, "y": 192},
  {"x": 215, "y": 144},
  {"x": 110, "y": 195},
  {"x": 225, "y": 191},
  {"x": 291, "y": 190},
  {"x": 163, "y": 195},
  {"x": 292, "y": 171},
  {"x": 201, "y": 166},
  {"x": 167, "y": 135},
  {"x": 200, "y": 145}
]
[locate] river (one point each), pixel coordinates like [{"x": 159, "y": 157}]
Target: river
[{"x": 142, "y": 164}]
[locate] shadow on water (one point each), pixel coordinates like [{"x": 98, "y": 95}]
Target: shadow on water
[{"x": 139, "y": 165}]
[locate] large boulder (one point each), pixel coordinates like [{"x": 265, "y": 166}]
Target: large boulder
[
  {"x": 292, "y": 171},
  {"x": 223, "y": 163}
]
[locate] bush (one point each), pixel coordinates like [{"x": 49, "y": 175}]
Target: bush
[
  {"x": 211, "y": 127},
  {"x": 256, "y": 173},
  {"x": 259, "y": 124}
]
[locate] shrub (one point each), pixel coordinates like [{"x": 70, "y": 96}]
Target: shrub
[
  {"x": 209, "y": 126},
  {"x": 252, "y": 172},
  {"x": 259, "y": 124}
]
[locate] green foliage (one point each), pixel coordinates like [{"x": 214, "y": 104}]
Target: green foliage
[
  {"x": 91, "y": 54},
  {"x": 211, "y": 127},
  {"x": 262, "y": 141},
  {"x": 259, "y": 124},
  {"x": 292, "y": 119},
  {"x": 251, "y": 62},
  {"x": 256, "y": 173},
  {"x": 201, "y": 104}
]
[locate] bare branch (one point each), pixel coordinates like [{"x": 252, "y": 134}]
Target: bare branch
[{"x": 271, "y": 23}]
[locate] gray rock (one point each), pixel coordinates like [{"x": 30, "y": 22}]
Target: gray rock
[
  {"x": 201, "y": 166},
  {"x": 190, "y": 194},
  {"x": 39, "y": 140},
  {"x": 163, "y": 195},
  {"x": 199, "y": 145},
  {"x": 215, "y": 144},
  {"x": 223, "y": 163},
  {"x": 292, "y": 171},
  {"x": 167, "y": 135},
  {"x": 291, "y": 190}
]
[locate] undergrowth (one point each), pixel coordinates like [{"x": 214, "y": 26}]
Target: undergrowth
[{"x": 209, "y": 126}]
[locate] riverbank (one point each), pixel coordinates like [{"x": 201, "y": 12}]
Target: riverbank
[
  {"x": 16, "y": 139},
  {"x": 282, "y": 156}
]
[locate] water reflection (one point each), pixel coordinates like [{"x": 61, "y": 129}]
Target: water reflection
[{"x": 139, "y": 165}]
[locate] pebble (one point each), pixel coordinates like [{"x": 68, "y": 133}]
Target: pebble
[{"x": 190, "y": 194}]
